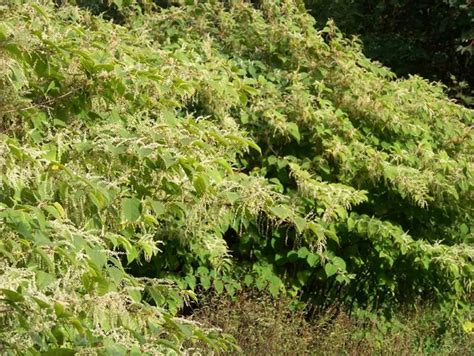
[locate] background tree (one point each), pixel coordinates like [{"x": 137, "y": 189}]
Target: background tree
[{"x": 433, "y": 38}]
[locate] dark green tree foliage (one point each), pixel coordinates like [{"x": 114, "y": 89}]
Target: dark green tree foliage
[
  {"x": 432, "y": 38},
  {"x": 210, "y": 146}
]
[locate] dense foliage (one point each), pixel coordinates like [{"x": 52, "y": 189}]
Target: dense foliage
[
  {"x": 212, "y": 146},
  {"x": 433, "y": 38}
]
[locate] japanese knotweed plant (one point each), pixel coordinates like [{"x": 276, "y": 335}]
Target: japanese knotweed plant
[
  {"x": 98, "y": 170},
  {"x": 200, "y": 146},
  {"x": 377, "y": 172}
]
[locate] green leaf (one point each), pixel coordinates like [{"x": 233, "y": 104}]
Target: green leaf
[
  {"x": 332, "y": 235},
  {"x": 219, "y": 286},
  {"x": 300, "y": 224},
  {"x": 274, "y": 286},
  {"x": 185, "y": 329},
  {"x": 312, "y": 259},
  {"x": 232, "y": 197},
  {"x": 280, "y": 211},
  {"x": 158, "y": 207},
  {"x": 44, "y": 279},
  {"x": 201, "y": 184},
  {"x": 350, "y": 224},
  {"x": 12, "y": 296},
  {"x": 330, "y": 269},
  {"x": 97, "y": 200},
  {"x": 202, "y": 271},
  {"x": 169, "y": 344},
  {"x": 303, "y": 252},
  {"x": 60, "y": 310},
  {"x": 205, "y": 282},
  {"x": 130, "y": 209},
  {"x": 191, "y": 281},
  {"x": 243, "y": 99},
  {"x": 318, "y": 230},
  {"x": 339, "y": 263},
  {"x": 41, "y": 303},
  {"x": 118, "y": 3},
  {"x": 253, "y": 145},
  {"x": 248, "y": 280},
  {"x": 294, "y": 131},
  {"x": 135, "y": 295},
  {"x": 98, "y": 258},
  {"x": 53, "y": 211}
]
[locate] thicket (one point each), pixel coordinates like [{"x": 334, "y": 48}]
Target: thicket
[{"x": 209, "y": 147}]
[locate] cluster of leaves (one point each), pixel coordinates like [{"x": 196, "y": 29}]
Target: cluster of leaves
[
  {"x": 376, "y": 173},
  {"x": 209, "y": 146},
  {"x": 430, "y": 38},
  {"x": 96, "y": 171}
]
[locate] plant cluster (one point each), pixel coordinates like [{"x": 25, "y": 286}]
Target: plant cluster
[{"x": 208, "y": 147}]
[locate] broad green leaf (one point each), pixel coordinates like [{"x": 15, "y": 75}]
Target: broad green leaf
[
  {"x": 300, "y": 223},
  {"x": 294, "y": 131},
  {"x": 12, "y": 296},
  {"x": 339, "y": 263},
  {"x": 99, "y": 258},
  {"x": 135, "y": 295},
  {"x": 158, "y": 207},
  {"x": 130, "y": 209},
  {"x": 312, "y": 259},
  {"x": 303, "y": 252},
  {"x": 118, "y": 3},
  {"x": 248, "y": 280},
  {"x": 219, "y": 286},
  {"x": 280, "y": 211},
  {"x": 201, "y": 184},
  {"x": 330, "y": 269},
  {"x": 44, "y": 279}
]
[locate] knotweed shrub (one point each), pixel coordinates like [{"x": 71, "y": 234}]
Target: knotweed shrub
[{"x": 209, "y": 147}]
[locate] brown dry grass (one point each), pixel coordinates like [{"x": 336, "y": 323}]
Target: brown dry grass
[{"x": 262, "y": 325}]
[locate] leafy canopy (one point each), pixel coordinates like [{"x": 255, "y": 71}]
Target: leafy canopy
[{"x": 209, "y": 146}]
